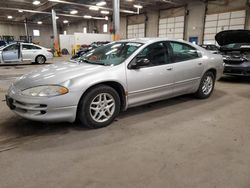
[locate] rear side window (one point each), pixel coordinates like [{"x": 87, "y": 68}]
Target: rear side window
[
  {"x": 30, "y": 47},
  {"x": 182, "y": 52}
]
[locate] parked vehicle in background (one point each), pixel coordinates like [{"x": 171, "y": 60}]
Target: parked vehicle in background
[
  {"x": 211, "y": 47},
  {"x": 115, "y": 77},
  {"x": 2, "y": 43},
  {"x": 86, "y": 49},
  {"x": 235, "y": 48},
  {"x": 24, "y": 52}
]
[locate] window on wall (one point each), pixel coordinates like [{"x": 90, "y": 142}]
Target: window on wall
[
  {"x": 36, "y": 33},
  {"x": 105, "y": 28},
  {"x": 136, "y": 31},
  {"x": 172, "y": 27},
  {"x": 223, "y": 21},
  {"x": 85, "y": 30}
]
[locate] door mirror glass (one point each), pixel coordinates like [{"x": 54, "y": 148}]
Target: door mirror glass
[{"x": 139, "y": 62}]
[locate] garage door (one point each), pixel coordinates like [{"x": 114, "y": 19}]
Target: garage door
[
  {"x": 223, "y": 21},
  {"x": 136, "y": 31},
  {"x": 172, "y": 27}
]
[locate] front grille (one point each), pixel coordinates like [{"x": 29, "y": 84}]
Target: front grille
[
  {"x": 233, "y": 61},
  {"x": 35, "y": 109}
]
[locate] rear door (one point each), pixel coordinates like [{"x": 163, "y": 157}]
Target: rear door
[
  {"x": 188, "y": 66},
  {"x": 12, "y": 54},
  {"x": 29, "y": 52}
]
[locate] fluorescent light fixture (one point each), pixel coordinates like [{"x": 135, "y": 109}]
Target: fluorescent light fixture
[
  {"x": 39, "y": 22},
  {"x": 106, "y": 18},
  {"x": 9, "y": 17},
  {"x": 104, "y": 12},
  {"x": 87, "y": 16},
  {"x": 94, "y": 8},
  {"x": 20, "y": 10},
  {"x": 138, "y": 6},
  {"x": 57, "y": 17},
  {"x": 65, "y": 21},
  {"x": 36, "y": 2},
  {"x": 73, "y": 12},
  {"x": 101, "y": 3}
]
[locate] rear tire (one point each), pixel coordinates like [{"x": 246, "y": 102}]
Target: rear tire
[
  {"x": 40, "y": 59},
  {"x": 206, "y": 86},
  {"x": 99, "y": 107}
]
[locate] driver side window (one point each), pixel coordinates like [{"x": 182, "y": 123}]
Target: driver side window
[
  {"x": 11, "y": 47},
  {"x": 156, "y": 53}
]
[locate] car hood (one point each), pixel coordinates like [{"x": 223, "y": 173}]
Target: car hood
[
  {"x": 56, "y": 74},
  {"x": 232, "y": 36}
]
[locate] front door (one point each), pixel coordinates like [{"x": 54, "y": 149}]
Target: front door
[
  {"x": 12, "y": 54},
  {"x": 153, "y": 81}
]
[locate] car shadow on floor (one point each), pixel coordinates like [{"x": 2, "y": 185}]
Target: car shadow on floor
[{"x": 18, "y": 127}]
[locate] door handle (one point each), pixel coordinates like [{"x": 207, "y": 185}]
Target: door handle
[
  {"x": 170, "y": 68},
  {"x": 199, "y": 63}
]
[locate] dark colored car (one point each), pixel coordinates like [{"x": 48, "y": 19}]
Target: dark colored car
[
  {"x": 211, "y": 47},
  {"x": 235, "y": 48},
  {"x": 84, "y": 50},
  {"x": 2, "y": 43}
]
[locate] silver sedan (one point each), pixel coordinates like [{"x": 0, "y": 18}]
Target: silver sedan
[
  {"x": 24, "y": 53},
  {"x": 112, "y": 78}
]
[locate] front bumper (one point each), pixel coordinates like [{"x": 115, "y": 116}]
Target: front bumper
[
  {"x": 47, "y": 109},
  {"x": 237, "y": 69}
]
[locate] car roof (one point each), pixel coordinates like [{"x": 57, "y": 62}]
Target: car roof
[{"x": 150, "y": 40}]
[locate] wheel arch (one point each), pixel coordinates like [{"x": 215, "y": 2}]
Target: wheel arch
[
  {"x": 40, "y": 55},
  {"x": 116, "y": 86},
  {"x": 214, "y": 71}
]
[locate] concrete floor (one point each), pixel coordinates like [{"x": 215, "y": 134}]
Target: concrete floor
[{"x": 182, "y": 142}]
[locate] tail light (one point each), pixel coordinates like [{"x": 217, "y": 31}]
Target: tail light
[{"x": 49, "y": 50}]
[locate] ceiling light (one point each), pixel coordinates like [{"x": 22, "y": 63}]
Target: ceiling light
[
  {"x": 9, "y": 17},
  {"x": 73, "y": 12},
  {"x": 104, "y": 12},
  {"x": 138, "y": 6},
  {"x": 39, "y": 22},
  {"x": 87, "y": 16},
  {"x": 93, "y": 8},
  {"x": 65, "y": 21},
  {"x": 101, "y": 3},
  {"x": 57, "y": 17},
  {"x": 36, "y": 2},
  {"x": 106, "y": 18},
  {"x": 20, "y": 10}
]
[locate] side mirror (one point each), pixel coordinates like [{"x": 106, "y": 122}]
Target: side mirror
[{"x": 139, "y": 62}]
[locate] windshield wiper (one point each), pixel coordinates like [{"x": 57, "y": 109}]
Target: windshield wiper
[{"x": 90, "y": 62}]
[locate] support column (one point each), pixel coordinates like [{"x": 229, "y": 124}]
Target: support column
[
  {"x": 26, "y": 31},
  {"x": 116, "y": 19},
  {"x": 55, "y": 34}
]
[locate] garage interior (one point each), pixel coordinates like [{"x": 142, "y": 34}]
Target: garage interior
[{"x": 178, "y": 142}]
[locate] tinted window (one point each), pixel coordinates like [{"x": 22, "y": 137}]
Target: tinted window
[
  {"x": 182, "y": 52},
  {"x": 12, "y": 47},
  {"x": 156, "y": 53},
  {"x": 30, "y": 47}
]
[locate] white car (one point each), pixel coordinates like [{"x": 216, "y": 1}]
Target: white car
[{"x": 24, "y": 52}]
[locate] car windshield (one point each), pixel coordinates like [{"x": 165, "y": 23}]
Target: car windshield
[
  {"x": 236, "y": 46},
  {"x": 110, "y": 54}
]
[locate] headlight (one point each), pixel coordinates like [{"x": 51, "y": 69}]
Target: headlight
[{"x": 45, "y": 91}]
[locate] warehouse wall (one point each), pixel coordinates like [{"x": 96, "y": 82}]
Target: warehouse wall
[
  {"x": 194, "y": 19},
  {"x": 17, "y": 30},
  {"x": 91, "y": 25}
]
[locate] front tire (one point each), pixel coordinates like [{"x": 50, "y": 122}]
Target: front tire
[
  {"x": 206, "y": 86},
  {"x": 99, "y": 107},
  {"x": 40, "y": 59}
]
